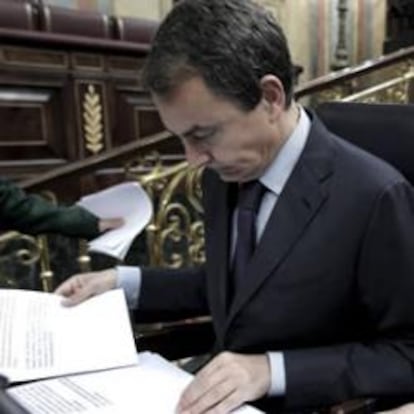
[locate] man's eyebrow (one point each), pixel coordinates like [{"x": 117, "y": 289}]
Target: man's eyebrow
[{"x": 192, "y": 131}]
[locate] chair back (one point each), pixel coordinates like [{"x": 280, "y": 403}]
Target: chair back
[{"x": 385, "y": 130}]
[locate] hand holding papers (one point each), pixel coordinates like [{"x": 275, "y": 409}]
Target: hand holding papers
[
  {"x": 128, "y": 201},
  {"x": 152, "y": 386},
  {"x": 40, "y": 338},
  {"x": 93, "y": 342}
]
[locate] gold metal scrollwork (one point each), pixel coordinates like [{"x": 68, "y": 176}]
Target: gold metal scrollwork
[
  {"x": 27, "y": 252},
  {"x": 335, "y": 93},
  {"x": 93, "y": 123},
  {"x": 392, "y": 83},
  {"x": 392, "y": 91},
  {"x": 175, "y": 236}
]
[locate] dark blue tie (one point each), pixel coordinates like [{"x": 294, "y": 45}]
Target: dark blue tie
[{"x": 249, "y": 197}]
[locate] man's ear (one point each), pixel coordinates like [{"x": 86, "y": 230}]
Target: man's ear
[{"x": 273, "y": 94}]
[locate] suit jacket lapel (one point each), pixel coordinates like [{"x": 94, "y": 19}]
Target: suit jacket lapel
[
  {"x": 221, "y": 197},
  {"x": 302, "y": 197}
]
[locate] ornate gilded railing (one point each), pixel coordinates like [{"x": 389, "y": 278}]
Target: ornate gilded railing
[
  {"x": 395, "y": 90},
  {"x": 22, "y": 255},
  {"x": 386, "y": 79},
  {"x": 173, "y": 238},
  {"x": 175, "y": 235},
  {"x": 17, "y": 250}
]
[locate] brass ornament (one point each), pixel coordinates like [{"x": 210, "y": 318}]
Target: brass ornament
[
  {"x": 175, "y": 235},
  {"x": 93, "y": 120}
]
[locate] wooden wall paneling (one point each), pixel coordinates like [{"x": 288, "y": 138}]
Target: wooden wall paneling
[
  {"x": 32, "y": 115},
  {"x": 65, "y": 98},
  {"x": 69, "y": 119},
  {"x": 130, "y": 105},
  {"x": 36, "y": 59},
  {"x": 129, "y": 102},
  {"x": 32, "y": 125}
]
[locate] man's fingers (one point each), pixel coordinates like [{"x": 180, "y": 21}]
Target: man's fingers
[
  {"x": 79, "y": 295},
  {"x": 83, "y": 286},
  {"x": 75, "y": 290},
  {"x": 207, "y": 378},
  {"x": 228, "y": 404},
  {"x": 225, "y": 383},
  {"x": 212, "y": 398},
  {"x": 65, "y": 289}
]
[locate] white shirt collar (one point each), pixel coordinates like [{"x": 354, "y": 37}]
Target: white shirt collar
[{"x": 278, "y": 172}]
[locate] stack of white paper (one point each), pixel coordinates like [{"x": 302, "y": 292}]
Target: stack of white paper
[
  {"x": 40, "y": 338},
  {"x": 89, "y": 349},
  {"x": 153, "y": 386},
  {"x": 128, "y": 201}
]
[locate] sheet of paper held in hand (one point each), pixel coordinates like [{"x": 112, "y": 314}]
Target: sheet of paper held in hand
[
  {"x": 40, "y": 338},
  {"x": 153, "y": 386},
  {"x": 128, "y": 201}
]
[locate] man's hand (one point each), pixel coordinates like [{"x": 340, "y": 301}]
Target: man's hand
[
  {"x": 225, "y": 383},
  {"x": 109, "y": 224},
  {"x": 80, "y": 287}
]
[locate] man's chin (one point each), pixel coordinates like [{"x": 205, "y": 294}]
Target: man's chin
[
  {"x": 228, "y": 177},
  {"x": 233, "y": 176}
]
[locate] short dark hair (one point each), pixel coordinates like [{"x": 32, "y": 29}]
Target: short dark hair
[{"x": 231, "y": 44}]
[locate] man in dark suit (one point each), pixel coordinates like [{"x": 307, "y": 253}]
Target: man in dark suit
[
  {"x": 29, "y": 213},
  {"x": 322, "y": 310}
]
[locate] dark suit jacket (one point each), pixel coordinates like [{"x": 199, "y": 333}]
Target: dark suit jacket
[
  {"x": 331, "y": 283},
  {"x": 33, "y": 214}
]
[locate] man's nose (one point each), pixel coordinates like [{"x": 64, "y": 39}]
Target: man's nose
[{"x": 196, "y": 156}]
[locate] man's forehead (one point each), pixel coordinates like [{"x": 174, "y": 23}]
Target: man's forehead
[
  {"x": 188, "y": 110},
  {"x": 184, "y": 121},
  {"x": 191, "y": 131}
]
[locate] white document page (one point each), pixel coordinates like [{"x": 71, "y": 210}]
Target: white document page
[
  {"x": 153, "y": 386},
  {"x": 40, "y": 338},
  {"x": 128, "y": 201}
]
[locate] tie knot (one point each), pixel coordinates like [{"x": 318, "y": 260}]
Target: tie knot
[{"x": 250, "y": 194}]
